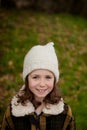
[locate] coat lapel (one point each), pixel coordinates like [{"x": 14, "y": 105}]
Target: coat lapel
[{"x": 19, "y": 110}]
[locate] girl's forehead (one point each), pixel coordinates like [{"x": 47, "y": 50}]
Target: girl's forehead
[{"x": 41, "y": 71}]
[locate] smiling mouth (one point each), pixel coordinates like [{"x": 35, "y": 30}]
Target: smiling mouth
[{"x": 41, "y": 90}]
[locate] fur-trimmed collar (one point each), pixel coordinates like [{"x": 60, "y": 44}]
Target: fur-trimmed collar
[{"x": 19, "y": 110}]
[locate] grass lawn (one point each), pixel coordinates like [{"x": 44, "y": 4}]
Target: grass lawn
[{"x": 20, "y": 30}]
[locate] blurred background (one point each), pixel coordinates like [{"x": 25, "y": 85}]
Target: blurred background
[{"x": 24, "y": 23}]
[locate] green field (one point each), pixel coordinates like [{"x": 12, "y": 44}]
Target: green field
[{"x": 20, "y": 30}]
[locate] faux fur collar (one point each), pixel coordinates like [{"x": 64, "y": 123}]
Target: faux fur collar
[{"x": 19, "y": 110}]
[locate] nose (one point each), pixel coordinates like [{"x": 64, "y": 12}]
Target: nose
[{"x": 42, "y": 83}]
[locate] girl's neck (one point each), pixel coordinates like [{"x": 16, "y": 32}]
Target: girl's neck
[
  {"x": 38, "y": 104},
  {"x": 37, "y": 99},
  {"x": 39, "y": 109}
]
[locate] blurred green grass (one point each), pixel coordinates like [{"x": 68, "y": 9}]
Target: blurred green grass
[{"x": 20, "y": 30}]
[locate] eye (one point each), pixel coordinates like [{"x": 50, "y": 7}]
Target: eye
[
  {"x": 35, "y": 77},
  {"x": 48, "y": 77}
]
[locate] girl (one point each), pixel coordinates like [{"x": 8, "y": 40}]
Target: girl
[{"x": 38, "y": 105}]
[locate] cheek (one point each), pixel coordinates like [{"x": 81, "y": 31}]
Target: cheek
[
  {"x": 32, "y": 84},
  {"x": 51, "y": 85}
]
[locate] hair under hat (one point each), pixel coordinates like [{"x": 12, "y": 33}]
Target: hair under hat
[{"x": 41, "y": 57}]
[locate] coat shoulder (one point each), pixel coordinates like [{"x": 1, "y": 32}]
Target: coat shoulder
[
  {"x": 8, "y": 112},
  {"x": 69, "y": 120},
  {"x": 67, "y": 110}
]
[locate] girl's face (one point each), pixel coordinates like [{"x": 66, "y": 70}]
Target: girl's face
[{"x": 41, "y": 83}]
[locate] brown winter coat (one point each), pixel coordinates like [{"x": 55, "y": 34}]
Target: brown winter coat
[{"x": 56, "y": 117}]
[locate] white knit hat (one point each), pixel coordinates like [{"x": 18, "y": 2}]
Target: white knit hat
[{"x": 41, "y": 57}]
